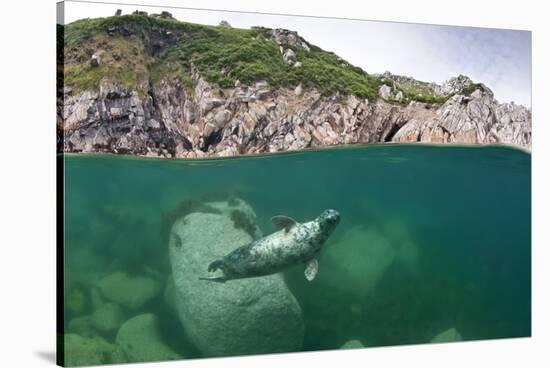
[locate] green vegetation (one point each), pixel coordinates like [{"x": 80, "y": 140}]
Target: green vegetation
[
  {"x": 414, "y": 90},
  {"x": 469, "y": 89},
  {"x": 426, "y": 98},
  {"x": 162, "y": 69},
  {"x": 124, "y": 62},
  {"x": 133, "y": 24},
  {"x": 225, "y": 55},
  {"x": 85, "y": 76},
  {"x": 222, "y": 55}
]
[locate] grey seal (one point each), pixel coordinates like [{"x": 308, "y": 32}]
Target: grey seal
[{"x": 293, "y": 243}]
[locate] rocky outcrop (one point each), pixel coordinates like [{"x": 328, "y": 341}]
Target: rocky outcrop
[
  {"x": 286, "y": 37},
  {"x": 470, "y": 119},
  {"x": 453, "y": 85},
  {"x": 172, "y": 121},
  {"x": 251, "y": 316},
  {"x": 189, "y": 117}
]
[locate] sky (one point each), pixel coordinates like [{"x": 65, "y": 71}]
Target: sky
[{"x": 501, "y": 59}]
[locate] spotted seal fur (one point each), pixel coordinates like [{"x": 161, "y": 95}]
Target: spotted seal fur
[{"x": 293, "y": 243}]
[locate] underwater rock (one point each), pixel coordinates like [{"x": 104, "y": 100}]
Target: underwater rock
[
  {"x": 75, "y": 300},
  {"x": 81, "y": 351},
  {"x": 140, "y": 339},
  {"x": 96, "y": 299},
  {"x": 170, "y": 294},
  {"x": 407, "y": 258},
  {"x": 358, "y": 275},
  {"x": 82, "y": 326},
  {"x": 450, "y": 335},
  {"x": 129, "y": 291},
  {"x": 108, "y": 317},
  {"x": 248, "y": 316},
  {"x": 352, "y": 344},
  {"x": 84, "y": 266}
]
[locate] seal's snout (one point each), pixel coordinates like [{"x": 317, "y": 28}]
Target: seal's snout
[{"x": 330, "y": 218}]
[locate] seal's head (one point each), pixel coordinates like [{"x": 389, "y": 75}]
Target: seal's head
[{"x": 328, "y": 221}]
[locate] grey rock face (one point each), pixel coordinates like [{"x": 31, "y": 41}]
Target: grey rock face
[
  {"x": 477, "y": 118},
  {"x": 454, "y": 85},
  {"x": 249, "y": 316},
  {"x": 140, "y": 339},
  {"x": 284, "y": 36},
  {"x": 399, "y": 96},
  {"x": 289, "y": 56},
  {"x": 385, "y": 91},
  {"x": 513, "y": 124},
  {"x": 171, "y": 121},
  {"x": 390, "y": 93}
]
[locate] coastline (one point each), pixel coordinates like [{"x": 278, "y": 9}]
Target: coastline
[{"x": 303, "y": 151}]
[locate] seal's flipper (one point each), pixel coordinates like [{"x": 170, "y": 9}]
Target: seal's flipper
[
  {"x": 312, "y": 266},
  {"x": 283, "y": 222},
  {"x": 214, "y": 278},
  {"x": 212, "y": 267}
]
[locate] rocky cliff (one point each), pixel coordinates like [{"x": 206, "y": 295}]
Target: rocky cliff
[{"x": 154, "y": 86}]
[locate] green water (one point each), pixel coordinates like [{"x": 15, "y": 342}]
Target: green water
[{"x": 450, "y": 226}]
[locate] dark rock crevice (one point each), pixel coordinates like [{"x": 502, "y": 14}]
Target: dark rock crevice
[{"x": 393, "y": 130}]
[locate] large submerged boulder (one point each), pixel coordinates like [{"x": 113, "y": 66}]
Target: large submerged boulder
[
  {"x": 129, "y": 291},
  {"x": 107, "y": 317},
  {"x": 358, "y": 275},
  {"x": 75, "y": 300},
  {"x": 248, "y": 316},
  {"x": 141, "y": 340}
]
